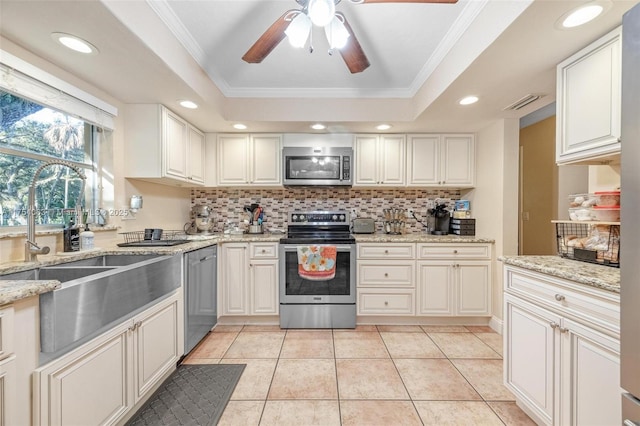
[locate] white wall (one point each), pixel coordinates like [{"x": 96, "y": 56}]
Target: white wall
[{"x": 494, "y": 200}]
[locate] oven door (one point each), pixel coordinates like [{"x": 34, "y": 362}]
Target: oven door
[{"x": 295, "y": 289}]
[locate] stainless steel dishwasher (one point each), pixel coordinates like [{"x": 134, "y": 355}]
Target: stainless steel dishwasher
[{"x": 200, "y": 314}]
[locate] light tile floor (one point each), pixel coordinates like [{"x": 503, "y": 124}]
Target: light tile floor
[{"x": 373, "y": 375}]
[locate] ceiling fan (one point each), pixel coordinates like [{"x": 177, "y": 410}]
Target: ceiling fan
[{"x": 296, "y": 25}]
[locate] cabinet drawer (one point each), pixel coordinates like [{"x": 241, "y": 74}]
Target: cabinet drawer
[
  {"x": 385, "y": 302},
  {"x": 386, "y": 251},
  {"x": 454, "y": 251},
  {"x": 6, "y": 331},
  {"x": 390, "y": 273},
  {"x": 264, "y": 250},
  {"x": 585, "y": 303}
]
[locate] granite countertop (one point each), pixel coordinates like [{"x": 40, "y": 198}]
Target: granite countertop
[
  {"x": 419, "y": 238},
  {"x": 13, "y": 290},
  {"x": 604, "y": 277}
]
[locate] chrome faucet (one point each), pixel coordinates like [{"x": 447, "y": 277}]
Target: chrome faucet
[{"x": 31, "y": 249}]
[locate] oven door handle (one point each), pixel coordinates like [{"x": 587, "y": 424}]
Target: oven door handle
[{"x": 339, "y": 247}]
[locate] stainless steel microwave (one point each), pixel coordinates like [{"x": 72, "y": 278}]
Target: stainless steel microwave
[{"x": 324, "y": 166}]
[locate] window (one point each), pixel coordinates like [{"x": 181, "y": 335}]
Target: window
[{"x": 30, "y": 135}]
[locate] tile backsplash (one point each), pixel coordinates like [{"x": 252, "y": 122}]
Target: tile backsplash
[{"x": 228, "y": 203}]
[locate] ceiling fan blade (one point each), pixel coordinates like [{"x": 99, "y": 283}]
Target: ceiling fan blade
[
  {"x": 352, "y": 52},
  {"x": 409, "y": 1},
  {"x": 268, "y": 41}
]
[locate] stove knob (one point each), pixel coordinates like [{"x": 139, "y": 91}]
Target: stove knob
[
  {"x": 294, "y": 217},
  {"x": 341, "y": 218},
  {"x": 334, "y": 217},
  {"x": 302, "y": 218}
]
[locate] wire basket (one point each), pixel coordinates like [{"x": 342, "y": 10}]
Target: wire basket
[
  {"x": 589, "y": 242},
  {"x": 153, "y": 234}
]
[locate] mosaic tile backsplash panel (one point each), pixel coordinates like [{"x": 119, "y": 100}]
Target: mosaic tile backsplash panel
[{"x": 228, "y": 203}]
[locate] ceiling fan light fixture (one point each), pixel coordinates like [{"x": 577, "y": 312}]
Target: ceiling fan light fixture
[
  {"x": 298, "y": 30},
  {"x": 321, "y": 12},
  {"x": 337, "y": 34}
]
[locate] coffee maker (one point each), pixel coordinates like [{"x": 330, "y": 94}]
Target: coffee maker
[
  {"x": 203, "y": 223},
  {"x": 441, "y": 218}
]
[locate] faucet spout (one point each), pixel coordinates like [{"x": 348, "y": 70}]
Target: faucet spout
[{"x": 31, "y": 249}]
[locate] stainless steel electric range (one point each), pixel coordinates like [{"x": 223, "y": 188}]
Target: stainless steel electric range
[{"x": 318, "y": 271}]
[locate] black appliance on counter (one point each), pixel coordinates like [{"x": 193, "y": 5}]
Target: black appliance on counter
[
  {"x": 441, "y": 219},
  {"x": 306, "y": 302}
]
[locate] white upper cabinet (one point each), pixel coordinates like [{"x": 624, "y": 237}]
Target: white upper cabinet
[
  {"x": 589, "y": 102},
  {"x": 441, "y": 160},
  {"x": 162, "y": 147},
  {"x": 380, "y": 160},
  {"x": 249, "y": 159}
]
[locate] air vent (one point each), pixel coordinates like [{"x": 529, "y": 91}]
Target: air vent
[{"x": 523, "y": 102}]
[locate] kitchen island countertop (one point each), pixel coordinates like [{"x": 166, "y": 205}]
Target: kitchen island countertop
[
  {"x": 604, "y": 277},
  {"x": 13, "y": 290}
]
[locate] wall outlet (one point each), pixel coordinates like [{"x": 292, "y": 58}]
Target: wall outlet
[
  {"x": 354, "y": 213},
  {"x": 409, "y": 213}
]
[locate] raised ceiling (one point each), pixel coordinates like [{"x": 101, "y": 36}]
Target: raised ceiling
[{"x": 424, "y": 57}]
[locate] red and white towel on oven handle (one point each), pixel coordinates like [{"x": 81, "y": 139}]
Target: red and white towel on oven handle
[{"x": 317, "y": 262}]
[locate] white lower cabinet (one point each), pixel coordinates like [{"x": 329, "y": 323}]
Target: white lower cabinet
[
  {"x": 249, "y": 278},
  {"x": 457, "y": 282},
  {"x": 562, "y": 368},
  {"x": 386, "y": 279},
  {"x": 103, "y": 380},
  {"x": 7, "y": 391}
]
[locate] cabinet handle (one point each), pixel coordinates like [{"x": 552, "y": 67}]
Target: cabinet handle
[
  {"x": 559, "y": 297},
  {"x": 564, "y": 330},
  {"x": 264, "y": 251},
  {"x": 455, "y": 252},
  {"x": 628, "y": 422},
  {"x": 386, "y": 275},
  {"x": 554, "y": 325},
  {"x": 386, "y": 252},
  {"x": 386, "y": 303}
]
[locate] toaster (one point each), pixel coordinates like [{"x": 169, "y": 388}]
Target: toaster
[{"x": 364, "y": 226}]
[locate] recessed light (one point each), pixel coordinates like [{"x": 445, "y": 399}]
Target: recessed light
[
  {"x": 75, "y": 43},
  {"x": 318, "y": 126},
  {"x": 240, "y": 126},
  {"x": 468, "y": 100},
  {"x": 583, "y": 14},
  {"x": 383, "y": 126},
  {"x": 188, "y": 104}
]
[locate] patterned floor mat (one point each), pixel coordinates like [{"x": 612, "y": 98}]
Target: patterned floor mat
[{"x": 192, "y": 395}]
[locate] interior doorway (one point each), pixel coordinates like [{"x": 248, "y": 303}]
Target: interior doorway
[{"x": 538, "y": 203}]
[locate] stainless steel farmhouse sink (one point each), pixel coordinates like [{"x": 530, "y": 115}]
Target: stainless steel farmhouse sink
[{"x": 96, "y": 294}]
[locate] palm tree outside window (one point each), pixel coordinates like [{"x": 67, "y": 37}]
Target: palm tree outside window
[{"x": 31, "y": 134}]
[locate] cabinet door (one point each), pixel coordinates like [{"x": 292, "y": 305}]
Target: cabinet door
[
  {"x": 458, "y": 160},
  {"x": 234, "y": 285},
  {"x": 91, "y": 388},
  {"x": 233, "y": 157},
  {"x": 392, "y": 160},
  {"x": 366, "y": 153},
  {"x": 7, "y": 391},
  {"x": 266, "y": 159},
  {"x": 531, "y": 355},
  {"x": 423, "y": 161},
  {"x": 264, "y": 287},
  {"x": 473, "y": 287},
  {"x": 175, "y": 143},
  {"x": 435, "y": 288},
  {"x": 589, "y": 101},
  {"x": 197, "y": 155},
  {"x": 590, "y": 377},
  {"x": 156, "y": 345},
  {"x": 6, "y": 331}
]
